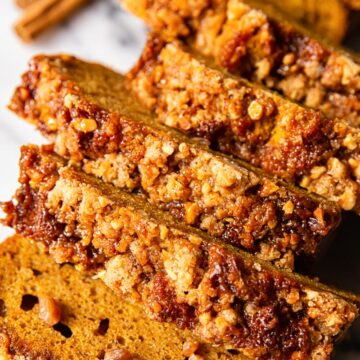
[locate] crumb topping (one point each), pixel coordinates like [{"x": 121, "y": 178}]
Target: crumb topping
[
  {"x": 179, "y": 275},
  {"x": 240, "y": 119},
  {"x": 225, "y": 197}
]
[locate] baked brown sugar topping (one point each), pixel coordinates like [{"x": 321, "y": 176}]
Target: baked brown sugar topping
[
  {"x": 284, "y": 139},
  {"x": 178, "y": 274},
  {"x": 86, "y": 304},
  {"x": 87, "y": 110},
  {"x": 251, "y": 39}
]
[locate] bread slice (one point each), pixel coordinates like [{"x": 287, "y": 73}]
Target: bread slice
[
  {"x": 179, "y": 274},
  {"x": 93, "y": 119},
  {"x": 94, "y": 320},
  {"x": 328, "y": 19},
  {"x": 252, "y": 39},
  {"x": 239, "y": 118}
]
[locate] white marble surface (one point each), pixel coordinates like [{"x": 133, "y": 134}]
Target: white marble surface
[{"x": 101, "y": 32}]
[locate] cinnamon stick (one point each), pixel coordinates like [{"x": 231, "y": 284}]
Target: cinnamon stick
[{"x": 42, "y": 14}]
